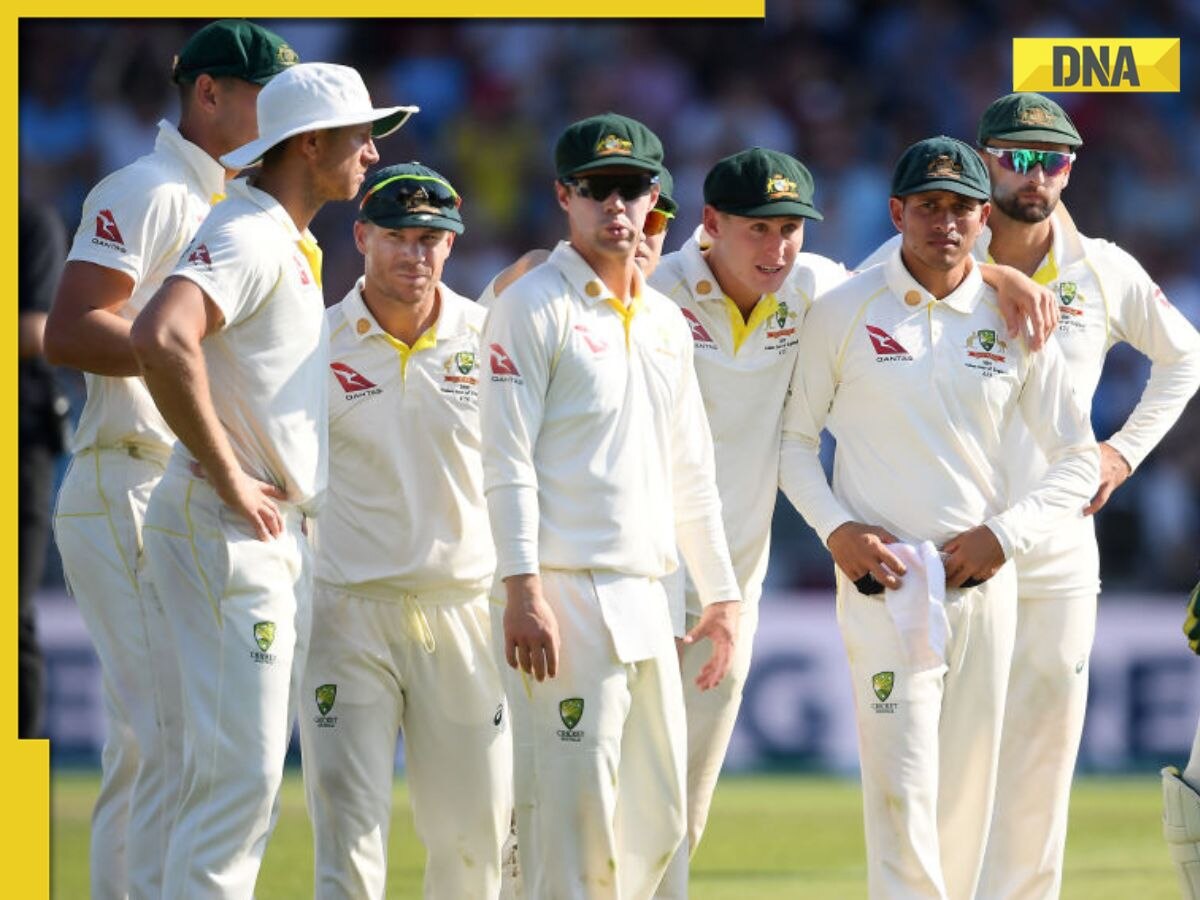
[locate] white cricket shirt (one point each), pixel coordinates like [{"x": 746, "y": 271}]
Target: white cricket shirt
[
  {"x": 268, "y": 365},
  {"x": 404, "y": 512},
  {"x": 137, "y": 221},
  {"x": 918, "y": 394},
  {"x": 1105, "y": 297},
  {"x": 744, "y": 368},
  {"x": 597, "y": 453}
]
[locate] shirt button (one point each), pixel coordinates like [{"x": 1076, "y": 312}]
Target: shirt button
[
  {"x": 363, "y": 326},
  {"x": 592, "y": 289},
  {"x": 703, "y": 287},
  {"x": 912, "y": 298}
]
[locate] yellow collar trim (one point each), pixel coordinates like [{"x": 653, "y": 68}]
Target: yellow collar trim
[
  {"x": 1046, "y": 274},
  {"x": 427, "y": 340},
  {"x": 313, "y": 254},
  {"x": 627, "y": 312},
  {"x": 740, "y": 327}
]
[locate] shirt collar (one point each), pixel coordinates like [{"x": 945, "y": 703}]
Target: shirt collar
[
  {"x": 451, "y": 320},
  {"x": 910, "y": 294},
  {"x": 583, "y": 278},
  {"x": 242, "y": 189},
  {"x": 1065, "y": 243},
  {"x": 209, "y": 173}
]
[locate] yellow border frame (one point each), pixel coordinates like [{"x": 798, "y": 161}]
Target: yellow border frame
[{"x": 25, "y": 832}]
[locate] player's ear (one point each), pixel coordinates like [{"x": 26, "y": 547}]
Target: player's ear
[
  {"x": 204, "y": 92},
  {"x": 985, "y": 210},
  {"x": 360, "y": 237},
  {"x": 561, "y": 191},
  {"x": 712, "y": 220},
  {"x": 896, "y": 208}
]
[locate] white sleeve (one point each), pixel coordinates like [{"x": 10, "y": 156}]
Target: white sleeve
[
  {"x": 517, "y": 349},
  {"x": 699, "y": 530},
  {"x": 1148, "y": 322},
  {"x": 225, "y": 259},
  {"x": 810, "y": 396},
  {"x": 1061, "y": 428}
]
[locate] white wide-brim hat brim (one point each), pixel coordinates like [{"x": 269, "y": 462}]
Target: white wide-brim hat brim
[{"x": 387, "y": 120}]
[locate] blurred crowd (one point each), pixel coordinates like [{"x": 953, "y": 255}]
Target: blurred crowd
[{"x": 843, "y": 85}]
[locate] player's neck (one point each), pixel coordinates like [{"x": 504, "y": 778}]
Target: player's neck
[
  {"x": 744, "y": 298},
  {"x": 939, "y": 282},
  {"x": 290, "y": 184},
  {"x": 1022, "y": 245},
  {"x": 194, "y": 133},
  {"x": 403, "y": 321},
  {"x": 618, "y": 273}
]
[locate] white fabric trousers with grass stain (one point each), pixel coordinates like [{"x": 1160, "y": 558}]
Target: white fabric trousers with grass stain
[
  {"x": 98, "y": 528},
  {"x": 238, "y": 610}
]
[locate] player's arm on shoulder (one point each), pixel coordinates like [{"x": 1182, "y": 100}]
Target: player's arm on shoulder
[
  {"x": 1027, "y": 307},
  {"x": 526, "y": 263}
]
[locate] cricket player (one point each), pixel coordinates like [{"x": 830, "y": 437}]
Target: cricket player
[
  {"x": 744, "y": 298},
  {"x": 597, "y": 462},
  {"x": 906, "y": 367},
  {"x": 649, "y": 248},
  {"x": 233, "y": 348},
  {"x": 1181, "y": 790},
  {"x": 401, "y": 634},
  {"x": 133, "y": 226},
  {"x": 1029, "y": 145}
]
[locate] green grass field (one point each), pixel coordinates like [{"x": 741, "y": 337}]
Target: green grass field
[{"x": 768, "y": 837}]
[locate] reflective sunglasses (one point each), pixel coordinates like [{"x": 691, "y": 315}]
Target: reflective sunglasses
[
  {"x": 600, "y": 187},
  {"x": 657, "y": 221},
  {"x": 1022, "y": 161},
  {"x": 413, "y": 192}
]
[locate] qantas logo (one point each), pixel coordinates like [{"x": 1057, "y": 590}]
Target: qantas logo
[
  {"x": 302, "y": 269},
  {"x": 595, "y": 344},
  {"x": 885, "y": 344},
  {"x": 502, "y": 363},
  {"x": 200, "y": 256},
  {"x": 353, "y": 383},
  {"x": 700, "y": 334},
  {"x": 106, "y": 228}
]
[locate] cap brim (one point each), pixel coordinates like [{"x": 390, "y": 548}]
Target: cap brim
[
  {"x": 385, "y": 121},
  {"x": 666, "y": 204},
  {"x": 417, "y": 220},
  {"x": 774, "y": 208},
  {"x": 1042, "y": 135},
  {"x": 607, "y": 162},
  {"x": 946, "y": 184}
]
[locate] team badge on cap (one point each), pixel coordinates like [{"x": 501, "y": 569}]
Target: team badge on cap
[
  {"x": 944, "y": 167},
  {"x": 1036, "y": 116},
  {"x": 780, "y": 188},
  {"x": 610, "y": 144}
]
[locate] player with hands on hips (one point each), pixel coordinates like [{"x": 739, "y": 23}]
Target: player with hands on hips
[{"x": 234, "y": 351}]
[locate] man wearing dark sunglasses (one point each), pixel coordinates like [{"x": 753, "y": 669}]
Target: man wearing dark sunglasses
[
  {"x": 1029, "y": 145},
  {"x": 598, "y": 465}
]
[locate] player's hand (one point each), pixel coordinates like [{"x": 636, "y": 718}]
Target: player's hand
[
  {"x": 859, "y": 550},
  {"x": 1113, "y": 472},
  {"x": 531, "y": 641},
  {"x": 974, "y": 554},
  {"x": 1022, "y": 300},
  {"x": 254, "y": 501},
  {"x": 1191, "y": 625},
  {"x": 719, "y": 623}
]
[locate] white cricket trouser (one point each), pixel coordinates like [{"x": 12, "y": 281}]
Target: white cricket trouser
[
  {"x": 98, "y": 527},
  {"x": 711, "y": 716},
  {"x": 1043, "y": 724},
  {"x": 376, "y": 667},
  {"x": 598, "y": 758},
  {"x": 239, "y": 612},
  {"x": 929, "y": 741}
]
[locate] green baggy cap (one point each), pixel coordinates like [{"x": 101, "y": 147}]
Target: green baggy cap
[
  {"x": 234, "y": 48},
  {"x": 607, "y": 140},
  {"x": 1027, "y": 116},
  {"x": 410, "y": 195},
  {"x": 759, "y": 182},
  {"x": 941, "y": 164}
]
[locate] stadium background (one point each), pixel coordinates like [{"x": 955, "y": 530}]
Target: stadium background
[{"x": 845, "y": 86}]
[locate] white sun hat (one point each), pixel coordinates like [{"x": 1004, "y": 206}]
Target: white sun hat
[{"x": 310, "y": 97}]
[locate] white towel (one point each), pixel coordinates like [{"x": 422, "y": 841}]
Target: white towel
[{"x": 918, "y": 606}]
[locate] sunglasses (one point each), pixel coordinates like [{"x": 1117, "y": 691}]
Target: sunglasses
[
  {"x": 1022, "y": 161},
  {"x": 656, "y": 222},
  {"x": 600, "y": 187},
  {"x": 415, "y": 192}
]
